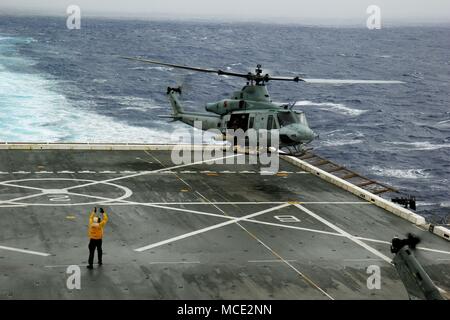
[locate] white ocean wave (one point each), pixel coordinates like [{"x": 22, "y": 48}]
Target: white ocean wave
[
  {"x": 99, "y": 80},
  {"x": 333, "y": 107},
  {"x": 427, "y": 204},
  {"x": 144, "y": 67},
  {"x": 143, "y": 109},
  {"x": 133, "y": 102},
  {"x": 443, "y": 124},
  {"x": 160, "y": 68},
  {"x": 423, "y": 145},
  {"x": 332, "y": 133},
  {"x": 339, "y": 142},
  {"x": 400, "y": 173}
]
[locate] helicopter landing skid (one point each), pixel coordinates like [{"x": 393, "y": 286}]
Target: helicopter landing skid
[{"x": 295, "y": 150}]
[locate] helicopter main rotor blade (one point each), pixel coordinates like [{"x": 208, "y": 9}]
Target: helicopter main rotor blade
[
  {"x": 219, "y": 72},
  {"x": 330, "y": 81},
  {"x": 294, "y": 79},
  {"x": 350, "y": 81},
  {"x": 170, "y": 65},
  {"x": 258, "y": 77}
]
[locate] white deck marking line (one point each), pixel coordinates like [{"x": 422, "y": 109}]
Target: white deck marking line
[
  {"x": 336, "y": 202},
  {"x": 65, "y": 171},
  {"x": 361, "y": 260},
  {"x": 154, "y": 158},
  {"x": 139, "y": 158},
  {"x": 60, "y": 266},
  {"x": 19, "y": 186},
  {"x": 294, "y": 227},
  {"x": 197, "y": 203},
  {"x": 153, "y": 171},
  {"x": 346, "y": 234},
  {"x": 12, "y": 205},
  {"x": 11, "y": 201},
  {"x": 174, "y": 262},
  {"x": 373, "y": 240},
  {"x": 21, "y": 172},
  {"x": 36, "y": 253},
  {"x": 44, "y": 172},
  {"x": 213, "y": 227},
  {"x": 64, "y": 265},
  {"x": 125, "y": 203},
  {"x": 433, "y": 250},
  {"x": 269, "y": 261}
]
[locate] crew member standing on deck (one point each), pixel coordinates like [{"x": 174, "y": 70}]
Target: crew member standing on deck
[{"x": 96, "y": 225}]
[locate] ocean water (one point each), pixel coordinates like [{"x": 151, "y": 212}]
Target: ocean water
[{"x": 70, "y": 85}]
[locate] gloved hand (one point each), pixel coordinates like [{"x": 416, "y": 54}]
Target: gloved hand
[
  {"x": 102, "y": 211},
  {"x": 95, "y": 209}
]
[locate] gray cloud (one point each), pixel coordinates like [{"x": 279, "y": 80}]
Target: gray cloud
[{"x": 306, "y": 11}]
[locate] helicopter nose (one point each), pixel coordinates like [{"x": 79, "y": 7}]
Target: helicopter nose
[{"x": 298, "y": 133}]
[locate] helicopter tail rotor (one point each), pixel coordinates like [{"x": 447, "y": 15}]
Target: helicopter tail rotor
[{"x": 177, "y": 90}]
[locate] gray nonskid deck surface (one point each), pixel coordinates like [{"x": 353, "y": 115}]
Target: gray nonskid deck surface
[{"x": 183, "y": 221}]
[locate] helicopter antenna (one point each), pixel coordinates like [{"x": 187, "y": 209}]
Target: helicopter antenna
[{"x": 259, "y": 78}]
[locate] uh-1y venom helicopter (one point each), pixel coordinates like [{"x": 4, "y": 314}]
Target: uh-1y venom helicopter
[{"x": 252, "y": 107}]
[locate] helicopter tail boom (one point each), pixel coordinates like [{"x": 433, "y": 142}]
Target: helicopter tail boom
[{"x": 173, "y": 94}]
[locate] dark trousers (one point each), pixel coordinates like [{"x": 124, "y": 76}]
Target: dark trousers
[{"x": 93, "y": 244}]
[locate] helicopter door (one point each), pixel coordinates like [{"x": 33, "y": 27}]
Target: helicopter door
[
  {"x": 269, "y": 122},
  {"x": 238, "y": 121},
  {"x": 251, "y": 122}
]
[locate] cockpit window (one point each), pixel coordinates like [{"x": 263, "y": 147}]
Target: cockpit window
[{"x": 286, "y": 118}]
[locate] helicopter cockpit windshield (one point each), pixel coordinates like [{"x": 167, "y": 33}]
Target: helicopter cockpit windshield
[{"x": 286, "y": 118}]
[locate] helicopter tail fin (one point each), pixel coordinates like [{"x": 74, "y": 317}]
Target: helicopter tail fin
[{"x": 173, "y": 94}]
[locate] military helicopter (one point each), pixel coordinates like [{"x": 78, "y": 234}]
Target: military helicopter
[{"x": 252, "y": 108}]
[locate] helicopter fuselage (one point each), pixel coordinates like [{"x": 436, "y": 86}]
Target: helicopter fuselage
[{"x": 249, "y": 108}]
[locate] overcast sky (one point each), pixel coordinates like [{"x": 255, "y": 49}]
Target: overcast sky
[{"x": 306, "y": 11}]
